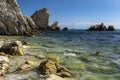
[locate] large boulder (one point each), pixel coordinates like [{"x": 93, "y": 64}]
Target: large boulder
[
  {"x": 41, "y": 19},
  {"x": 101, "y": 27},
  {"x": 52, "y": 66},
  {"x": 54, "y": 26},
  {"x": 12, "y": 22},
  {"x": 48, "y": 67},
  {"x": 13, "y": 48}
]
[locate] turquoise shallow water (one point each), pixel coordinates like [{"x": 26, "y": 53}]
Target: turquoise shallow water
[{"x": 76, "y": 49}]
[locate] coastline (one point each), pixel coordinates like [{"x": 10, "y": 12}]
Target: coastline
[{"x": 79, "y": 57}]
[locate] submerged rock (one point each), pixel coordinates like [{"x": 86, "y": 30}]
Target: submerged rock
[
  {"x": 12, "y": 22},
  {"x": 26, "y": 66},
  {"x": 96, "y": 53},
  {"x": 13, "y": 48},
  {"x": 51, "y": 66},
  {"x": 26, "y": 43}
]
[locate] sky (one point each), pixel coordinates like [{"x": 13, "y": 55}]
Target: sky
[{"x": 76, "y": 13}]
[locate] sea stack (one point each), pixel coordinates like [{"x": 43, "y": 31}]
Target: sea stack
[
  {"x": 55, "y": 26},
  {"x": 12, "y": 22},
  {"x": 101, "y": 27},
  {"x": 41, "y": 19}
]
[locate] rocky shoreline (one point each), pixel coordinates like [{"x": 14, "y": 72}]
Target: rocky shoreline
[
  {"x": 13, "y": 22},
  {"x": 48, "y": 68}
]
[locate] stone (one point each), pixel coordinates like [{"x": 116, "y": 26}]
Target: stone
[
  {"x": 111, "y": 28},
  {"x": 13, "y": 48},
  {"x": 3, "y": 54},
  {"x": 26, "y": 43},
  {"x": 52, "y": 66},
  {"x": 96, "y": 53},
  {"x": 24, "y": 67},
  {"x": 47, "y": 67},
  {"x": 54, "y": 77},
  {"x": 54, "y": 26},
  {"x": 65, "y": 29},
  {"x": 4, "y": 64},
  {"x": 55, "y": 60},
  {"x": 62, "y": 71},
  {"x": 30, "y": 62},
  {"x": 2, "y": 78},
  {"x": 4, "y": 59},
  {"x": 41, "y": 18},
  {"x": 12, "y": 22},
  {"x": 64, "y": 74},
  {"x": 101, "y": 27}
]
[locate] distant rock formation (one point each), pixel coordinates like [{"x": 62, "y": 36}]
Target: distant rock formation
[
  {"x": 111, "y": 28},
  {"x": 41, "y": 19},
  {"x": 65, "y": 29},
  {"x": 54, "y": 26},
  {"x": 101, "y": 27},
  {"x": 12, "y": 22}
]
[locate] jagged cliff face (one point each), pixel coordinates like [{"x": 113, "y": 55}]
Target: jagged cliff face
[
  {"x": 12, "y": 22},
  {"x": 41, "y": 18}
]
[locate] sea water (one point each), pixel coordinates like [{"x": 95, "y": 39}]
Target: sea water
[{"x": 77, "y": 49}]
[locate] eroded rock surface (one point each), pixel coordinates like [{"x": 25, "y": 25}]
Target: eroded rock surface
[
  {"x": 41, "y": 19},
  {"x": 4, "y": 64},
  {"x": 13, "y": 48},
  {"x": 12, "y": 22},
  {"x": 52, "y": 66}
]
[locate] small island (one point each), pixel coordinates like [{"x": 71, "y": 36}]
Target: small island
[{"x": 101, "y": 27}]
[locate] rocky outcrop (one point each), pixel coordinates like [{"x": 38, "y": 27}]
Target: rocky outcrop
[
  {"x": 41, "y": 19},
  {"x": 12, "y": 22},
  {"x": 52, "y": 66},
  {"x": 111, "y": 28},
  {"x": 54, "y": 26},
  {"x": 101, "y": 27},
  {"x": 65, "y": 29},
  {"x": 14, "y": 48}
]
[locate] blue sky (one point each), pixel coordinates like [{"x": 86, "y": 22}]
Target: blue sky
[{"x": 81, "y": 13}]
